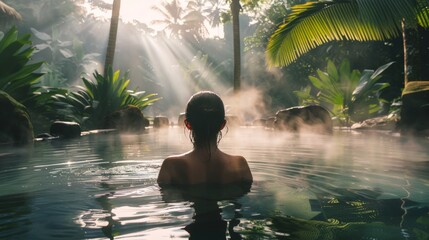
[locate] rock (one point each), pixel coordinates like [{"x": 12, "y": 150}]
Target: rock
[
  {"x": 313, "y": 119},
  {"x": 181, "y": 119},
  {"x": 15, "y": 124},
  {"x": 65, "y": 129},
  {"x": 128, "y": 119},
  {"x": 44, "y": 136},
  {"x": 415, "y": 109},
  {"x": 160, "y": 122},
  {"x": 388, "y": 123}
]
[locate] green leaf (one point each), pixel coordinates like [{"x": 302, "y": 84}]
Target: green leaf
[
  {"x": 332, "y": 71},
  {"x": 415, "y": 86},
  {"x": 10, "y": 37},
  {"x": 102, "y": 96},
  {"x": 314, "y": 23}
]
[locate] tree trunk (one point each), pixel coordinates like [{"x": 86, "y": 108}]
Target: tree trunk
[
  {"x": 415, "y": 96},
  {"x": 416, "y": 53},
  {"x": 111, "y": 45},
  {"x": 235, "y": 11}
]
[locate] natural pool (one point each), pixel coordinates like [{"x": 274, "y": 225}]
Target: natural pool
[{"x": 103, "y": 186}]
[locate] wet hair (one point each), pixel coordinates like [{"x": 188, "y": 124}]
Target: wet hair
[{"x": 205, "y": 113}]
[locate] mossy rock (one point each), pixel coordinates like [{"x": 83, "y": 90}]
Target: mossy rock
[
  {"x": 313, "y": 119},
  {"x": 15, "y": 124},
  {"x": 65, "y": 129},
  {"x": 415, "y": 108},
  {"x": 161, "y": 122},
  {"x": 128, "y": 119}
]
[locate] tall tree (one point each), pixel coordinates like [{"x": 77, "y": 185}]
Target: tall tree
[
  {"x": 195, "y": 18},
  {"x": 236, "y": 7},
  {"x": 214, "y": 11},
  {"x": 235, "y": 12},
  {"x": 172, "y": 17},
  {"x": 182, "y": 22},
  {"x": 113, "y": 32},
  {"x": 314, "y": 23}
]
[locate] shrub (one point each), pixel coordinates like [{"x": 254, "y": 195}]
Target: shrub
[{"x": 90, "y": 105}]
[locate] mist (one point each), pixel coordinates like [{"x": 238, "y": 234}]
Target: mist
[{"x": 72, "y": 41}]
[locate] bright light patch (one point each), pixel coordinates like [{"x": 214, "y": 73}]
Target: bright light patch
[
  {"x": 130, "y": 11},
  {"x": 139, "y": 10}
]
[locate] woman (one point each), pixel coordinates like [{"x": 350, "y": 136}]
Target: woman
[{"x": 206, "y": 163}]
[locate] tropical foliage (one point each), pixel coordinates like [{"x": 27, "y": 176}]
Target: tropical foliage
[
  {"x": 351, "y": 95},
  {"x": 17, "y": 76},
  {"x": 314, "y": 23},
  {"x": 180, "y": 22},
  {"x": 90, "y": 105},
  {"x": 64, "y": 60}
]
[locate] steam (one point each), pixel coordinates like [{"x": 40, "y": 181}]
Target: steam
[{"x": 247, "y": 105}]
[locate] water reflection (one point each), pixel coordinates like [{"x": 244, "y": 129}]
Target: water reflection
[
  {"x": 208, "y": 221},
  {"x": 104, "y": 187},
  {"x": 14, "y": 210}
]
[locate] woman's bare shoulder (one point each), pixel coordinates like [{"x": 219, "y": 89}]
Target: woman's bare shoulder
[
  {"x": 176, "y": 158},
  {"x": 235, "y": 158},
  {"x": 169, "y": 168},
  {"x": 242, "y": 167}
]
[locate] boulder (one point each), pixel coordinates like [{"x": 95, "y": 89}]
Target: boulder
[
  {"x": 160, "y": 122},
  {"x": 15, "y": 124},
  {"x": 385, "y": 123},
  {"x": 415, "y": 109},
  {"x": 128, "y": 119},
  {"x": 181, "y": 119},
  {"x": 313, "y": 119},
  {"x": 65, "y": 129}
]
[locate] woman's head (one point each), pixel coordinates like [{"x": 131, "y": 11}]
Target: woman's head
[{"x": 205, "y": 116}]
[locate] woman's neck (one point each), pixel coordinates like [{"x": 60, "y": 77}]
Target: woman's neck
[{"x": 206, "y": 146}]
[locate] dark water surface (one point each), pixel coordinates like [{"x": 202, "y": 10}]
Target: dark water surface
[{"x": 345, "y": 186}]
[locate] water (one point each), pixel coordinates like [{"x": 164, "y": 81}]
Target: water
[{"x": 345, "y": 186}]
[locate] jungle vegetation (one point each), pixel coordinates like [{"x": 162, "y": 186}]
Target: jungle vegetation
[{"x": 176, "y": 54}]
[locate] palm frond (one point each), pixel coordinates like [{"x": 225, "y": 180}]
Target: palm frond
[
  {"x": 314, "y": 23},
  {"x": 423, "y": 13},
  {"x": 9, "y": 11}
]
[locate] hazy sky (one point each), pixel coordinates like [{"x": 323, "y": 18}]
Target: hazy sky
[
  {"x": 131, "y": 10},
  {"x": 142, "y": 11}
]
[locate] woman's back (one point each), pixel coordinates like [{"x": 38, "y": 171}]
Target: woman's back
[
  {"x": 192, "y": 168},
  {"x": 205, "y": 164}
]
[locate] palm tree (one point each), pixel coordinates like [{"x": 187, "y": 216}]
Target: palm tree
[
  {"x": 173, "y": 15},
  {"x": 314, "y": 23},
  {"x": 111, "y": 45},
  {"x": 214, "y": 11},
  {"x": 235, "y": 12},
  {"x": 183, "y": 22},
  {"x": 195, "y": 18}
]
